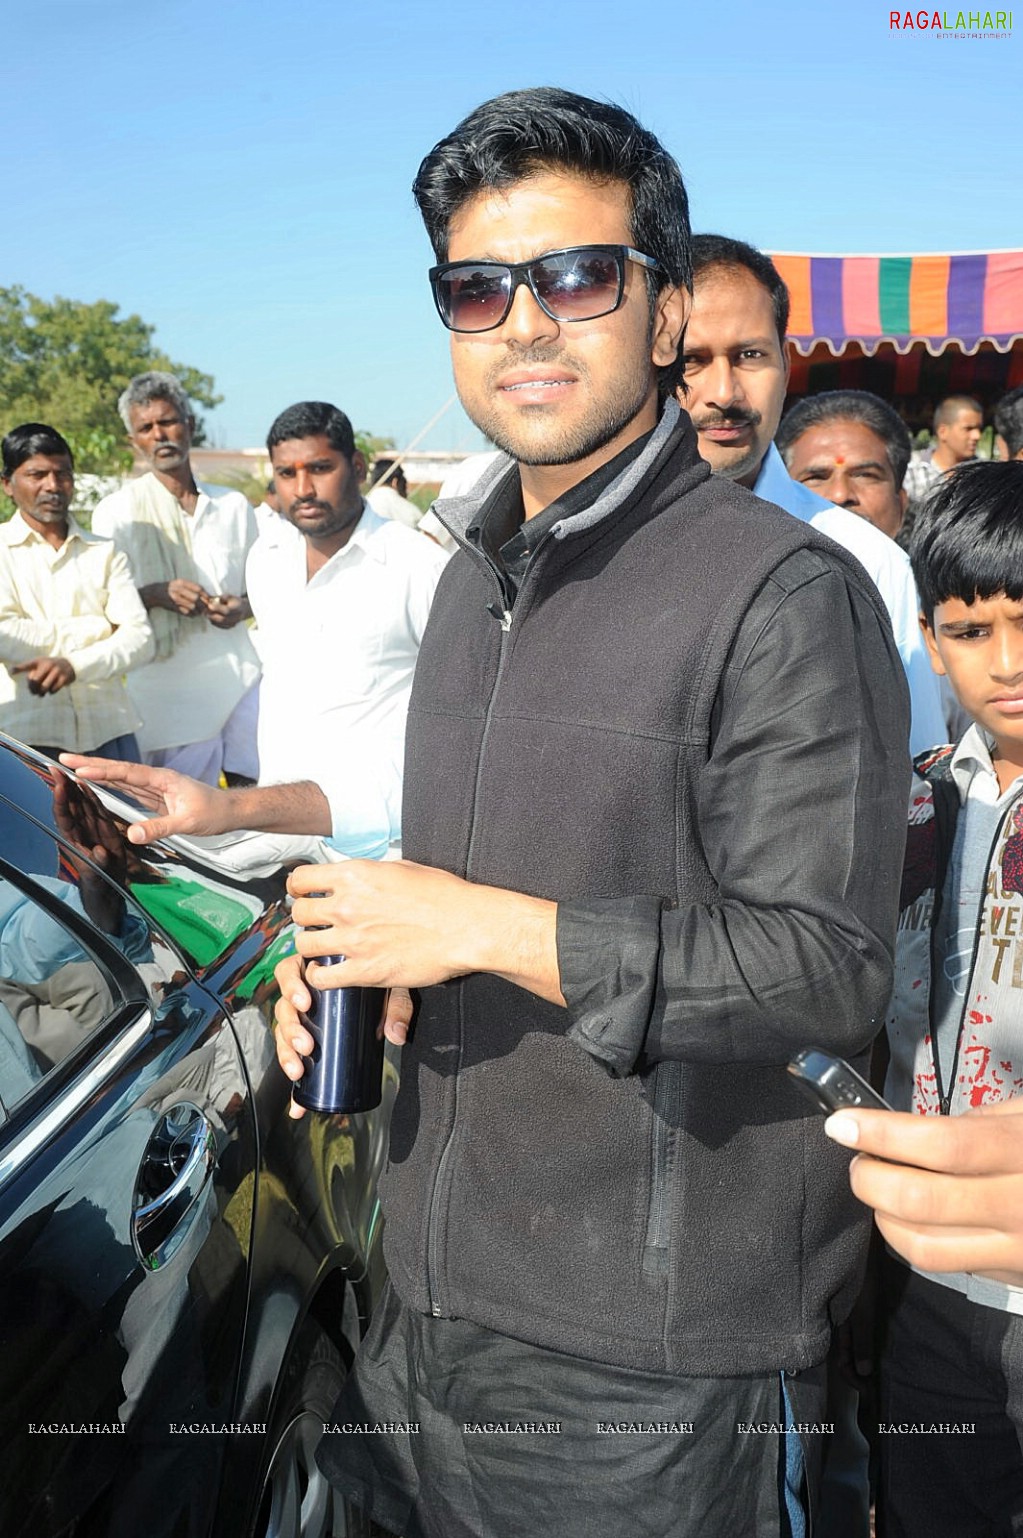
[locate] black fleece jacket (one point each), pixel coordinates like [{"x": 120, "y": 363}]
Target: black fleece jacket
[{"x": 691, "y": 732}]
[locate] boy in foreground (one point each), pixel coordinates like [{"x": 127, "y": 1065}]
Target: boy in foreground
[{"x": 952, "y": 1361}]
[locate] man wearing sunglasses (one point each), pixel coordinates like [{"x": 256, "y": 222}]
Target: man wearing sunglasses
[{"x": 652, "y": 830}]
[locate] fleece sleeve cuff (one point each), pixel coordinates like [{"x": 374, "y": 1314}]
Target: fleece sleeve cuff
[{"x": 608, "y": 956}]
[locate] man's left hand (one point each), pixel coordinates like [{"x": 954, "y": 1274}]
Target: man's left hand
[
  {"x": 226, "y": 611},
  {"x": 404, "y": 925}
]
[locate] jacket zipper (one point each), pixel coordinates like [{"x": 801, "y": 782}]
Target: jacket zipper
[
  {"x": 657, "y": 1239},
  {"x": 945, "y": 1096},
  {"x": 441, "y": 1179}
]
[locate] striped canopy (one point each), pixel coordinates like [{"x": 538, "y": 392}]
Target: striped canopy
[{"x": 958, "y": 301}]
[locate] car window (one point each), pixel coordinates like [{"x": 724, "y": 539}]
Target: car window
[{"x": 53, "y": 993}]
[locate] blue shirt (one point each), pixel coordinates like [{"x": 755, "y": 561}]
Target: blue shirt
[{"x": 888, "y": 568}]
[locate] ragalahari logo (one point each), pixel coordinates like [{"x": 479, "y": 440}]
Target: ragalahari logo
[{"x": 953, "y": 24}]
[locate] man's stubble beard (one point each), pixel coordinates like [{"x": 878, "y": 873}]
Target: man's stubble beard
[
  {"x": 339, "y": 519},
  {"x": 601, "y": 424},
  {"x": 733, "y": 466},
  {"x": 745, "y": 466},
  {"x": 169, "y": 462}
]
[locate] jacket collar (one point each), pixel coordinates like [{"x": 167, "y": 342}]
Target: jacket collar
[{"x": 672, "y": 436}]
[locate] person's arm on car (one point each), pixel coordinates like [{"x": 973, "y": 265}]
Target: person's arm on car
[
  {"x": 186, "y": 806},
  {"x": 357, "y": 807}
]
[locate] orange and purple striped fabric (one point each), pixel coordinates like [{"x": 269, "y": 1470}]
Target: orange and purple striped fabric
[{"x": 964, "y": 298}]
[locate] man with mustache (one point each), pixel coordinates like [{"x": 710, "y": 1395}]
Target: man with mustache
[
  {"x": 736, "y": 377},
  {"x": 341, "y": 612},
  {"x": 71, "y": 622},
  {"x": 186, "y": 544}
]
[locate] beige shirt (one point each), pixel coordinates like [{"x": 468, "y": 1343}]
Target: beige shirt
[
  {"x": 188, "y": 696},
  {"x": 75, "y": 601}
]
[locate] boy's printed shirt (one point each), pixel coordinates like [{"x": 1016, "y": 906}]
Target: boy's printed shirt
[{"x": 960, "y": 974}]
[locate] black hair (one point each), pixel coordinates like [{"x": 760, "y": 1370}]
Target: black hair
[
  {"x": 313, "y": 419},
  {"x": 967, "y": 540},
  {"x": 386, "y": 472},
  {"x": 1009, "y": 420},
  {"x": 31, "y": 438},
  {"x": 722, "y": 251},
  {"x": 844, "y": 406},
  {"x": 516, "y": 135}
]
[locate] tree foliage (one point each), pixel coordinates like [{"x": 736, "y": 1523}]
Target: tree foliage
[
  {"x": 65, "y": 362},
  {"x": 369, "y": 445}
]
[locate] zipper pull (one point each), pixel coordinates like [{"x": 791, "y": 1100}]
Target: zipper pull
[
  {"x": 946, "y": 1104},
  {"x": 503, "y": 615}
]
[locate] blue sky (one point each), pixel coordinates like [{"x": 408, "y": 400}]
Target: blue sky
[{"x": 237, "y": 172}]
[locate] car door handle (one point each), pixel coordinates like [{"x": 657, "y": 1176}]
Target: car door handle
[{"x": 175, "y": 1170}]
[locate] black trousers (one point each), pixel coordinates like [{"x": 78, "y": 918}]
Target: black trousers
[
  {"x": 447, "y": 1430},
  {"x": 948, "y": 1363}
]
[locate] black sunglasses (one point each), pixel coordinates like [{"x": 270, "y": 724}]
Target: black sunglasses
[{"x": 578, "y": 283}]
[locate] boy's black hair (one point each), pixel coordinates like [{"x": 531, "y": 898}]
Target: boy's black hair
[
  {"x": 967, "y": 540},
  {"x": 313, "y": 419},
  {"x": 521, "y": 133},
  {"x": 29, "y": 439}
]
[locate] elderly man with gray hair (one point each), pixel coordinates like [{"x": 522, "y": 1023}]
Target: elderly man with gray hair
[{"x": 186, "y": 543}]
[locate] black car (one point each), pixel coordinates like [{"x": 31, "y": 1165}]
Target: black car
[{"x": 184, "y": 1271}]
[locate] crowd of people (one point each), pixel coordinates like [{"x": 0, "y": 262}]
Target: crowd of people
[{"x": 649, "y": 764}]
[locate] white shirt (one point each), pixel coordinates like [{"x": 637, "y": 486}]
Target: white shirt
[
  {"x": 188, "y": 696},
  {"x": 339, "y": 651},
  {"x": 267, "y": 518},
  {"x": 74, "y": 600},
  {"x": 888, "y": 568},
  {"x": 391, "y": 504}
]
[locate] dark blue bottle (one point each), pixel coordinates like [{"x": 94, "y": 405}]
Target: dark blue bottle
[{"x": 345, "y": 1070}]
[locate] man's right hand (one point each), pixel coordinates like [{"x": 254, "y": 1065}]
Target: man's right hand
[
  {"x": 179, "y": 596},
  {"x": 294, "y": 1041},
  {"x": 182, "y": 805},
  {"x": 952, "y": 1200}
]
